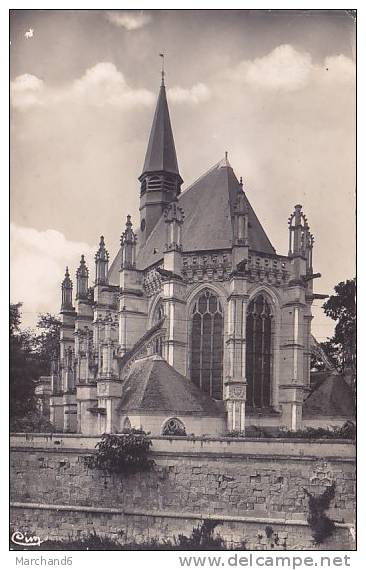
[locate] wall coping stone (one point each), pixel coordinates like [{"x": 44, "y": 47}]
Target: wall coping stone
[
  {"x": 170, "y": 514},
  {"x": 283, "y": 448}
]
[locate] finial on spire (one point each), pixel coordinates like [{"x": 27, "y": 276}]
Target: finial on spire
[
  {"x": 226, "y": 153},
  {"x": 241, "y": 182},
  {"x": 162, "y": 68}
]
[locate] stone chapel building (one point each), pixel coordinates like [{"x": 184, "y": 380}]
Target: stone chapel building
[{"x": 197, "y": 326}]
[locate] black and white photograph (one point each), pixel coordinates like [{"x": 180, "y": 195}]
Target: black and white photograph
[{"x": 183, "y": 281}]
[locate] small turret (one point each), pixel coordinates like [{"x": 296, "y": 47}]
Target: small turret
[
  {"x": 101, "y": 264},
  {"x": 174, "y": 217},
  {"x": 297, "y": 223},
  {"x": 240, "y": 227},
  {"x": 128, "y": 244},
  {"x": 66, "y": 288},
  {"x": 301, "y": 241},
  {"x": 82, "y": 275}
]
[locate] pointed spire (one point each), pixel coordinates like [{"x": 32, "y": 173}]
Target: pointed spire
[
  {"x": 128, "y": 244},
  {"x": 66, "y": 288},
  {"x": 67, "y": 276},
  {"x": 160, "y": 154},
  {"x": 82, "y": 275},
  {"x": 160, "y": 178},
  {"x": 101, "y": 263}
]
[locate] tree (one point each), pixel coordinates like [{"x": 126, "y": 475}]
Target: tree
[
  {"x": 47, "y": 341},
  {"x": 23, "y": 371},
  {"x": 341, "y": 307},
  {"x": 31, "y": 355}
]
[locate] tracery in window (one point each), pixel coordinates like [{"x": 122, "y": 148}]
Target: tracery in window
[
  {"x": 207, "y": 344},
  {"x": 259, "y": 353},
  {"x": 173, "y": 426}
]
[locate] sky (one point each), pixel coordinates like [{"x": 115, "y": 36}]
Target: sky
[{"x": 275, "y": 89}]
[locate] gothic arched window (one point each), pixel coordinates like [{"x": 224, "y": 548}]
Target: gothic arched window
[
  {"x": 259, "y": 353},
  {"x": 207, "y": 344}
]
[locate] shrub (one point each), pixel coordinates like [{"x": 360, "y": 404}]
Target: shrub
[
  {"x": 124, "y": 453},
  {"x": 202, "y": 538},
  {"x": 346, "y": 431},
  {"x": 321, "y": 525},
  {"x": 33, "y": 422}
]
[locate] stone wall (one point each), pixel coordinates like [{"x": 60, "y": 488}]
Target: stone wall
[{"x": 246, "y": 484}]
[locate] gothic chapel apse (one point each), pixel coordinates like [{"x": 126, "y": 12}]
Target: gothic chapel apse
[{"x": 197, "y": 324}]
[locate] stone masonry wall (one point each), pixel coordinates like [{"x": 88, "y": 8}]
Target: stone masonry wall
[{"x": 54, "y": 493}]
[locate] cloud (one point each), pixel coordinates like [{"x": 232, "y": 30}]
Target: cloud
[
  {"x": 287, "y": 69},
  {"x": 339, "y": 69},
  {"x": 26, "y": 91},
  {"x": 283, "y": 68},
  {"x": 128, "y": 20},
  {"x": 38, "y": 261},
  {"x": 101, "y": 85},
  {"x": 198, "y": 93}
]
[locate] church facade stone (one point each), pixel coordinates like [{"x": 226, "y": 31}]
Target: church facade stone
[{"x": 197, "y": 323}]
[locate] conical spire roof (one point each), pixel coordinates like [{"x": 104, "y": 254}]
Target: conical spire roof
[{"x": 160, "y": 154}]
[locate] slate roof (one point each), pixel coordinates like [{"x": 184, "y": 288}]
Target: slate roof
[
  {"x": 160, "y": 154},
  {"x": 208, "y": 206},
  {"x": 153, "y": 385},
  {"x": 331, "y": 397}
]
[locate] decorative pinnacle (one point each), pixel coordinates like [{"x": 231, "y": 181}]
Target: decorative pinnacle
[
  {"x": 102, "y": 253},
  {"x": 241, "y": 182},
  {"x": 82, "y": 270},
  {"x": 67, "y": 281},
  {"x": 128, "y": 235}
]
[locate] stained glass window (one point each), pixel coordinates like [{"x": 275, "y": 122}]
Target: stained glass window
[
  {"x": 259, "y": 353},
  {"x": 207, "y": 344}
]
